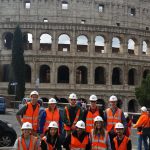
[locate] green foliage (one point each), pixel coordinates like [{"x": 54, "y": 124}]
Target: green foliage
[
  {"x": 17, "y": 73},
  {"x": 143, "y": 92}
]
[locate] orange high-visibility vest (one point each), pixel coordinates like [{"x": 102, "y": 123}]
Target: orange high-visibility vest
[
  {"x": 68, "y": 117},
  {"x": 123, "y": 145},
  {"x": 49, "y": 146},
  {"x": 99, "y": 143},
  {"x": 31, "y": 116},
  {"x": 75, "y": 143},
  {"x": 51, "y": 116},
  {"x": 113, "y": 119},
  {"x": 90, "y": 120},
  {"x": 22, "y": 144}
]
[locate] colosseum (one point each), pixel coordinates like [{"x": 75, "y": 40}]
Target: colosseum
[{"x": 88, "y": 47}]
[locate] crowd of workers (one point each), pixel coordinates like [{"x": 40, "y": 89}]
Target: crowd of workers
[{"x": 85, "y": 129}]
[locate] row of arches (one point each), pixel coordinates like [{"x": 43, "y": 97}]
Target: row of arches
[
  {"x": 82, "y": 41},
  {"x": 81, "y": 75}
]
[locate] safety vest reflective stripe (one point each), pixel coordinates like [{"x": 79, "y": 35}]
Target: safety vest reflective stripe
[
  {"x": 97, "y": 148},
  {"x": 49, "y": 146},
  {"x": 75, "y": 143},
  {"x": 113, "y": 119},
  {"x": 31, "y": 115},
  {"x": 68, "y": 117},
  {"x": 51, "y": 116},
  {"x": 90, "y": 120},
  {"x": 123, "y": 145}
]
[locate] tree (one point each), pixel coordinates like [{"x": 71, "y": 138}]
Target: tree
[
  {"x": 143, "y": 92},
  {"x": 17, "y": 71}
]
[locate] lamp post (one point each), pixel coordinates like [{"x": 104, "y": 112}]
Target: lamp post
[{"x": 15, "y": 88}]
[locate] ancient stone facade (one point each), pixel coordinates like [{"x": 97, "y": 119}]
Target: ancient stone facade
[{"x": 88, "y": 47}]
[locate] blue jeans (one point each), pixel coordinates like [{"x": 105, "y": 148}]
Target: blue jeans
[{"x": 144, "y": 139}]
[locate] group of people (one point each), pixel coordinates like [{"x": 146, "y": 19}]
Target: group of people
[{"x": 91, "y": 129}]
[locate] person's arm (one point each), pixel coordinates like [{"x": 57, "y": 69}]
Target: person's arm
[
  {"x": 20, "y": 114},
  {"x": 123, "y": 120},
  {"x": 88, "y": 146},
  {"x": 129, "y": 145},
  {"x": 101, "y": 113},
  {"x": 108, "y": 143},
  {"x": 105, "y": 119},
  {"x": 84, "y": 116},
  {"x": 66, "y": 121},
  {"x": 67, "y": 142},
  {"x": 139, "y": 123},
  {"x": 60, "y": 123},
  {"x": 58, "y": 144},
  {"x": 43, "y": 145},
  {"x": 42, "y": 122}
]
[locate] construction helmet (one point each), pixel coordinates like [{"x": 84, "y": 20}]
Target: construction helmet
[
  {"x": 93, "y": 98},
  {"x": 80, "y": 124},
  {"x": 113, "y": 98},
  {"x": 125, "y": 114},
  {"x": 26, "y": 125},
  {"x": 72, "y": 96},
  {"x": 52, "y": 101},
  {"x": 143, "y": 109},
  {"x": 98, "y": 118},
  {"x": 34, "y": 93},
  {"x": 53, "y": 124},
  {"x": 119, "y": 126}
]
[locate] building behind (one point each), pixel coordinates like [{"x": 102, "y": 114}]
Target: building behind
[{"x": 88, "y": 47}]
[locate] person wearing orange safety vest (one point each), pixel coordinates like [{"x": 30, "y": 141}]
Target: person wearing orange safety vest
[
  {"x": 26, "y": 141},
  {"x": 142, "y": 122},
  {"x": 51, "y": 113},
  {"x": 72, "y": 114},
  {"x": 78, "y": 139},
  {"x": 121, "y": 141},
  {"x": 112, "y": 116},
  {"x": 91, "y": 113},
  {"x": 129, "y": 124},
  {"x": 99, "y": 136},
  {"x": 51, "y": 141},
  {"x": 30, "y": 112}
]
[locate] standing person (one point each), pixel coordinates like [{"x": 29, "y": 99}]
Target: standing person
[
  {"x": 51, "y": 113},
  {"x": 30, "y": 112},
  {"x": 142, "y": 122},
  {"x": 99, "y": 136},
  {"x": 112, "y": 116},
  {"x": 51, "y": 141},
  {"x": 91, "y": 113},
  {"x": 121, "y": 141},
  {"x": 78, "y": 139},
  {"x": 129, "y": 124},
  {"x": 26, "y": 140},
  {"x": 72, "y": 113}
]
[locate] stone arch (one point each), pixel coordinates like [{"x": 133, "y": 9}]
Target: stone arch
[
  {"x": 27, "y": 73},
  {"x": 82, "y": 43},
  {"x": 132, "y": 47},
  {"x": 8, "y": 40},
  {"x": 132, "y": 105},
  {"x": 116, "y": 76},
  {"x": 45, "y": 41},
  {"x": 115, "y": 45},
  {"x": 27, "y": 40},
  {"x": 100, "y": 75},
  {"x": 5, "y": 73},
  {"x": 132, "y": 76},
  {"x": 63, "y": 74},
  {"x": 64, "y": 43},
  {"x": 44, "y": 74},
  {"x": 81, "y": 75},
  {"x": 99, "y": 44},
  {"x": 102, "y": 103},
  {"x": 145, "y": 73}
]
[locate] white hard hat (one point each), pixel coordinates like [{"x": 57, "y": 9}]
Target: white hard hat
[
  {"x": 113, "y": 98},
  {"x": 80, "y": 124},
  {"x": 34, "y": 93},
  {"x": 143, "y": 109},
  {"x": 26, "y": 125},
  {"x": 125, "y": 114},
  {"x": 72, "y": 96},
  {"x": 53, "y": 124},
  {"x": 98, "y": 118},
  {"x": 52, "y": 101},
  {"x": 119, "y": 126},
  {"x": 93, "y": 98}
]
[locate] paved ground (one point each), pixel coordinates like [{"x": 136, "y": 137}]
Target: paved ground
[{"x": 10, "y": 117}]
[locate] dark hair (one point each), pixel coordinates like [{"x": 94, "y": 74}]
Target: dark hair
[{"x": 101, "y": 130}]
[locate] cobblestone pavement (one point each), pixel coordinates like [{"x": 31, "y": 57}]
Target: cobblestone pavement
[{"x": 10, "y": 117}]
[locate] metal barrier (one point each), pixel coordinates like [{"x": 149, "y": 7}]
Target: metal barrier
[{"x": 7, "y": 148}]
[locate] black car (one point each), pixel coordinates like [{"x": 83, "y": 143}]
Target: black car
[{"x": 7, "y": 134}]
